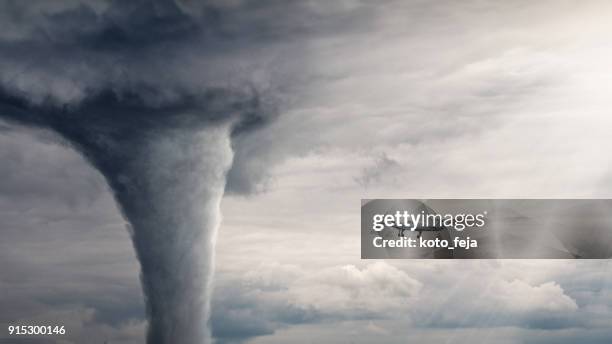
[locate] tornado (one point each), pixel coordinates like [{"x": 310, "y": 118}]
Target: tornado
[
  {"x": 156, "y": 96},
  {"x": 166, "y": 166},
  {"x": 169, "y": 187}
]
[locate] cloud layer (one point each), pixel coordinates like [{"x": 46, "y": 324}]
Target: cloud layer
[{"x": 406, "y": 100}]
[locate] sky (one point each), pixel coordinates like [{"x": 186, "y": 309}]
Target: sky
[{"x": 390, "y": 99}]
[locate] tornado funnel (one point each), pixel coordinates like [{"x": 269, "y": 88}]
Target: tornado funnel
[
  {"x": 169, "y": 187},
  {"x": 166, "y": 166}
]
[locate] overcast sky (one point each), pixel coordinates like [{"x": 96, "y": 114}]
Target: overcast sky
[{"x": 406, "y": 99}]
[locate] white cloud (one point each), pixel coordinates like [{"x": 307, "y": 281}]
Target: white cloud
[
  {"x": 376, "y": 288},
  {"x": 428, "y": 297}
]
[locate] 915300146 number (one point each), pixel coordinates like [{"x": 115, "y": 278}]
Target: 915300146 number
[{"x": 21, "y": 330}]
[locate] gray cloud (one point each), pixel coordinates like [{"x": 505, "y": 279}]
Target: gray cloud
[
  {"x": 241, "y": 313},
  {"x": 67, "y": 254},
  {"x": 471, "y": 99},
  {"x": 383, "y": 168}
]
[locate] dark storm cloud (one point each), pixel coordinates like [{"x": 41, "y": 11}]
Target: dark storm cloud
[
  {"x": 110, "y": 64},
  {"x": 73, "y": 53}
]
